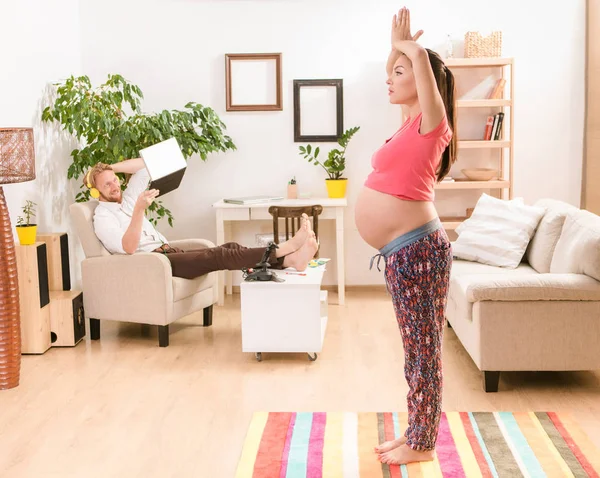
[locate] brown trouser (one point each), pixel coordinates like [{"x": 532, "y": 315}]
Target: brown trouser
[{"x": 229, "y": 256}]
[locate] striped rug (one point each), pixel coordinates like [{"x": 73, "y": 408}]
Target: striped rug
[{"x": 484, "y": 444}]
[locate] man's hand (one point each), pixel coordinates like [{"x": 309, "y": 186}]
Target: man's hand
[
  {"x": 146, "y": 198},
  {"x": 401, "y": 27}
]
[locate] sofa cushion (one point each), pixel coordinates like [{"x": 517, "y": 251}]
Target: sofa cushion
[
  {"x": 498, "y": 232},
  {"x": 578, "y": 248},
  {"x": 460, "y": 267},
  {"x": 183, "y": 288},
  {"x": 525, "y": 287},
  {"x": 541, "y": 248}
]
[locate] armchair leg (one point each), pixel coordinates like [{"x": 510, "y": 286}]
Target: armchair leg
[
  {"x": 208, "y": 312},
  {"x": 163, "y": 335},
  {"x": 490, "y": 381},
  {"x": 94, "y": 329}
]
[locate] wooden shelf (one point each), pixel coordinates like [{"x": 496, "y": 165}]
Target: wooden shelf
[
  {"x": 483, "y": 103},
  {"x": 477, "y": 62},
  {"x": 474, "y": 144},
  {"x": 451, "y": 223},
  {"x": 465, "y": 184}
]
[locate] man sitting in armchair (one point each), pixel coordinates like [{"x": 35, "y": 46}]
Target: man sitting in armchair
[{"x": 122, "y": 227}]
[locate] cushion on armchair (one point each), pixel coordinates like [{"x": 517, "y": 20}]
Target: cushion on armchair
[{"x": 498, "y": 232}]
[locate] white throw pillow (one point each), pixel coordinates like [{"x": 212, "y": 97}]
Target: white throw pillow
[{"x": 498, "y": 232}]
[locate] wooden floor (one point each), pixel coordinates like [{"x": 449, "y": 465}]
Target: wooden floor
[{"x": 123, "y": 407}]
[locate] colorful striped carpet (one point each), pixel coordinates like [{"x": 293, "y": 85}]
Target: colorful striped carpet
[{"x": 483, "y": 444}]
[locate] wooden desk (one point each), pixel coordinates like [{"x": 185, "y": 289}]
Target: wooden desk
[{"x": 333, "y": 209}]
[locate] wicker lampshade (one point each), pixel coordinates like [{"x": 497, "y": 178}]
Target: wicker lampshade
[
  {"x": 17, "y": 159},
  {"x": 17, "y": 164}
]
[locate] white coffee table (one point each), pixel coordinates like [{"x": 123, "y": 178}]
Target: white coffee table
[{"x": 289, "y": 316}]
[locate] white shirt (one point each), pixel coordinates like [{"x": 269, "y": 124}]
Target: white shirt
[{"x": 112, "y": 219}]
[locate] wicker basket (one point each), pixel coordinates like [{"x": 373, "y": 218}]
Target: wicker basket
[{"x": 477, "y": 46}]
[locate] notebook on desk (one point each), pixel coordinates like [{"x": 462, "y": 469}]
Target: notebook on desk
[
  {"x": 252, "y": 199},
  {"x": 165, "y": 164}
]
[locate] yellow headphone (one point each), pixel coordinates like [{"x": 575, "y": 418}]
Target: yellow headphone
[{"x": 93, "y": 191}]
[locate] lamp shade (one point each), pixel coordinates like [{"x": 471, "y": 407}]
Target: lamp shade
[{"x": 17, "y": 157}]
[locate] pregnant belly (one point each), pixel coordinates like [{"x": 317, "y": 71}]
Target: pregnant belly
[{"x": 380, "y": 218}]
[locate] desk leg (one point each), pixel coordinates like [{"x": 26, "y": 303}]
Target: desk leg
[
  {"x": 339, "y": 236},
  {"x": 220, "y": 241},
  {"x": 228, "y": 274}
]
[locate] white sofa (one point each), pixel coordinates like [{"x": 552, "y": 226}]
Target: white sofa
[{"x": 542, "y": 316}]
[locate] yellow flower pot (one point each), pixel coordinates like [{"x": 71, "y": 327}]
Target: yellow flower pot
[
  {"x": 26, "y": 234},
  {"x": 336, "y": 188}
]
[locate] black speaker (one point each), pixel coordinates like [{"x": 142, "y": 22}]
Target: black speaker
[{"x": 59, "y": 273}]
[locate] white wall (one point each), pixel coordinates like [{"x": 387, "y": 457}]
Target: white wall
[
  {"x": 174, "y": 50},
  {"x": 40, "y": 41}
]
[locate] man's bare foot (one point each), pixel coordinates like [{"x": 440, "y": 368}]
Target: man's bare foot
[
  {"x": 390, "y": 445},
  {"x": 299, "y": 260},
  {"x": 298, "y": 240},
  {"x": 403, "y": 455}
]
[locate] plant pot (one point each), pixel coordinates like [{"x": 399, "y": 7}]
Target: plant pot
[
  {"x": 27, "y": 234},
  {"x": 292, "y": 191},
  {"x": 336, "y": 188}
]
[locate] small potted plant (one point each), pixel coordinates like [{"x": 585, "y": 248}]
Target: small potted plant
[
  {"x": 334, "y": 165},
  {"x": 25, "y": 229},
  {"x": 292, "y": 189}
]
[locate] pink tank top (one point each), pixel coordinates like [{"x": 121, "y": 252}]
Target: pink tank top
[{"x": 405, "y": 166}]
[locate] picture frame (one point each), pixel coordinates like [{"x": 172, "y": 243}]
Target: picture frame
[
  {"x": 253, "y": 82},
  {"x": 318, "y": 110}
]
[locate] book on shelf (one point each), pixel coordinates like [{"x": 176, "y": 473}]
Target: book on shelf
[
  {"x": 493, "y": 127},
  {"x": 252, "y": 199},
  {"x": 497, "y": 92}
]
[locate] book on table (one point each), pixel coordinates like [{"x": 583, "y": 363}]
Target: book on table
[{"x": 252, "y": 199}]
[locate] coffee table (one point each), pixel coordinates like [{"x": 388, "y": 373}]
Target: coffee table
[{"x": 289, "y": 316}]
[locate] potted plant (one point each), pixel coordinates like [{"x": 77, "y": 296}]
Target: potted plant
[
  {"x": 25, "y": 230},
  {"x": 334, "y": 165},
  {"x": 292, "y": 189},
  {"x": 110, "y": 125}
]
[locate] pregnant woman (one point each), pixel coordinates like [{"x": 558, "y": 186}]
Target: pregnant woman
[{"x": 395, "y": 214}]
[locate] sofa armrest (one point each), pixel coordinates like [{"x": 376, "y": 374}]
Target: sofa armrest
[
  {"x": 479, "y": 287},
  {"x": 132, "y": 288},
  {"x": 191, "y": 244}
]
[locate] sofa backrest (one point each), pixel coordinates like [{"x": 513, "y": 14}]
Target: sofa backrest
[
  {"x": 578, "y": 248},
  {"x": 82, "y": 214},
  {"x": 541, "y": 248}
]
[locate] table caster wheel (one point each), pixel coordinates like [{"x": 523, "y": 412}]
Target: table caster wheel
[
  {"x": 311, "y": 358},
  {"x": 259, "y": 356}
]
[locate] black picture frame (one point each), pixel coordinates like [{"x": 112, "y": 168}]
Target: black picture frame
[{"x": 338, "y": 84}]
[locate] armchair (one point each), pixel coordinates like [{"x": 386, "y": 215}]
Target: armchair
[{"x": 138, "y": 288}]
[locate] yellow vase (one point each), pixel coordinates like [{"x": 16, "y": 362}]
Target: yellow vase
[
  {"x": 26, "y": 235},
  {"x": 336, "y": 188}
]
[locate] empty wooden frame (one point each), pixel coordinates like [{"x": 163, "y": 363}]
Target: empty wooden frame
[
  {"x": 253, "y": 82},
  {"x": 318, "y": 110}
]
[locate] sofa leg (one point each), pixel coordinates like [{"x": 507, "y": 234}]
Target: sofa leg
[
  {"x": 491, "y": 381},
  {"x": 163, "y": 335},
  {"x": 94, "y": 329},
  {"x": 207, "y": 321}
]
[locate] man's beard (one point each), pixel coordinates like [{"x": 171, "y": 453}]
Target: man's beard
[{"x": 110, "y": 199}]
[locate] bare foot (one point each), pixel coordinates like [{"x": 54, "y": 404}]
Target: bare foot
[
  {"x": 404, "y": 455},
  {"x": 390, "y": 445},
  {"x": 298, "y": 240},
  {"x": 299, "y": 260}
]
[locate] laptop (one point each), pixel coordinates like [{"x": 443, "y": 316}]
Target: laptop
[{"x": 165, "y": 164}]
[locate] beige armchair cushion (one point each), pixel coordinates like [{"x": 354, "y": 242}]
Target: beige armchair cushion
[
  {"x": 541, "y": 248},
  {"x": 578, "y": 248},
  {"x": 520, "y": 287}
]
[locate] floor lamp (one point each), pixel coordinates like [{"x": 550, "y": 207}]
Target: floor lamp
[{"x": 17, "y": 164}]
